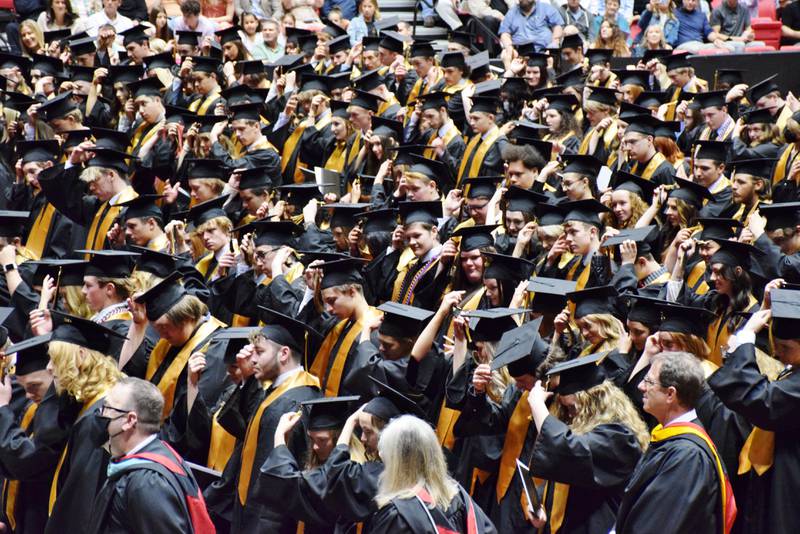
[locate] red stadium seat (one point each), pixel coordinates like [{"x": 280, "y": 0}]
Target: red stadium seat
[
  {"x": 712, "y": 51},
  {"x": 768, "y": 33},
  {"x": 790, "y": 48},
  {"x": 754, "y": 49},
  {"x": 766, "y": 8},
  {"x": 7, "y": 5}
]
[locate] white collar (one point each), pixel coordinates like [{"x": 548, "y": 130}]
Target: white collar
[
  {"x": 142, "y": 444},
  {"x": 97, "y": 317},
  {"x": 218, "y": 254},
  {"x": 714, "y": 185},
  {"x": 283, "y": 377},
  {"x": 688, "y": 417},
  {"x": 432, "y": 253},
  {"x": 445, "y": 128}
]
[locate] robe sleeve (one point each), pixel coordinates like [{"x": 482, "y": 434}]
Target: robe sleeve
[
  {"x": 482, "y": 416},
  {"x": 65, "y": 192},
  {"x": 153, "y": 506},
  {"x": 351, "y": 486}
]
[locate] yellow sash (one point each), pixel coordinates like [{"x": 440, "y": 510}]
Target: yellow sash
[
  {"x": 512, "y": 448},
  {"x": 169, "y": 379},
  {"x": 407, "y": 259},
  {"x": 12, "y": 486},
  {"x": 336, "y": 160},
  {"x": 201, "y": 109},
  {"x": 475, "y": 154},
  {"x": 54, "y": 484},
  {"x": 784, "y": 163},
  {"x": 783, "y": 116},
  {"x": 37, "y": 237},
  {"x": 319, "y": 368},
  {"x": 251, "y": 437},
  {"x": 139, "y": 137},
  {"x": 449, "y": 135},
  {"x": 104, "y": 218},
  {"x": 558, "y": 506},
  {"x": 470, "y": 305},
  {"x": 758, "y": 452},
  {"x": 160, "y": 243},
  {"x": 718, "y": 334},
  {"x": 444, "y": 425},
  {"x": 705, "y": 135},
  {"x": 386, "y": 104},
  {"x": 609, "y": 138},
  {"x": 204, "y": 264},
  {"x": 651, "y": 166},
  {"x": 221, "y": 446}
]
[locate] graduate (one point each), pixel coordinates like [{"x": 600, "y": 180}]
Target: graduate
[{"x": 482, "y": 156}]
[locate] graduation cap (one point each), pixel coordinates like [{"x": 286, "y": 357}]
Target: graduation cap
[
  {"x": 624, "y": 181},
  {"x": 111, "y": 139},
  {"x": 503, "y": 267},
  {"x": 313, "y": 82},
  {"x": 599, "y": 56},
  {"x": 66, "y": 272},
  {"x": 38, "y": 151},
  {"x": 421, "y": 48},
  {"x": 135, "y": 34},
  {"x": 154, "y": 262},
  {"x": 730, "y": 77},
  {"x": 31, "y": 354},
  {"x": 643, "y": 124},
  {"x": 205, "y": 64},
  {"x": 759, "y": 168},
  {"x": 340, "y": 80},
  {"x": 392, "y": 41},
  {"x": 431, "y": 168},
  {"x": 160, "y": 298},
  {"x": 57, "y": 107},
  {"x": 76, "y": 137},
  {"x": 288, "y": 61},
  {"x": 274, "y": 233},
  {"x": 110, "y": 159},
  {"x": 572, "y": 41},
  {"x": 525, "y": 200},
  {"x": 80, "y": 73},
  {"x": 550, "y": 294},
  {"x": 403, "y": 321},
  {"x": 604, "y": 95},
  {"x": 124, "y": 73},
  {"x": 387, "y": 23},
  {"x": 684, "y": 319},
  {"x": 254, "y": 178},
  {"x": 56, "y": 35},
  {"x": 228, "y": 35},
  {"x": 481, "y": 186},
  {"x": 390, "y": 403},
  {"x": 713, "y": 150},
  {"x": 489, "y": 88},
  {"x": 666, "y": 129},
  {"x": 143, "y": 207},
  {"x": 550, "y": 214},
  {"x": 579, "y": 374},
  {"x": 205, "y": 211},
  {"x": 563, "y": 103},
  {"x": 249, "y": 112},
  {"x": 206, "y": 168},
  {"x": 761, "y": 89},
  {"x": 206, "y": 123},
  {"x": 523, "y": 49},
  {"x": 427, "y": 212},
  {"x": 537, "y": 60},
  {"x": 453, "y": 59},
  {"x": 485, "y": 104},
  {"x": 640, "y": 78},
  {"x": 370, "y": 42},
  {"x": 82, "y": 332},
  {"x": 309, "y": 256},
  {"x": 642, "y": 309},
  {"x": 331, "y": 28},
  {"x": 718, "y": 228},
  {"x": 366, "y": 100},
  {"x": 47, "y": 65},
  {"x": 585, "y": 211},
  {"x": 479, "y": 65},
  {"x": 475, "y": 237},
  {"x": 339, "y": 44},
  {"x": 159, "y": 61},
  {"x": 711, "y": 99},
  {"x": 489, "y": 325},
  {"x": 344, "y": 215},
  {"x": 594, "y": 300},
  {"x": 465, "y": 39},
  {"x": 582, "y": 164},
  {"x": 521, "y": 349},
  {"x": 544, "y": 148},
  {"x": 691, "y": 192},
  {"x": 341, "y": 272},
  {"x": 651, "y": 99},
  {"x": 629, "y": 111},
  {"x": 81, "y": 47},
  {"x": 251, "y": 68},
  {"x": 572, "y": 78},
  {"x": 781, "y": 215},
  {"x": 644, "y": 238},
  {"x": 339, "y": 109},
  {"x": 676, "y": 61},
  {"x": 658, "y": 53},
  {"x": 174, "y": 114},
  {"x": 12, "y": 222},
  {"x": 434, "y": 100},
  {"x": 300, "y": 194},
  {"x": 109, "y": 263},
  {"x": 9, "y": 61},
  {"x": 329, "y": 413},
  {"x": 382, "y": 220},
  {"x": 785, "y": 305},
  {"x": 759, "y": 116},
  {"x": 18, "y": 101},
  {"x": 306, "y": 40},
  {"x": 528, "y": 129},
  {"x": 188, "y": 37},
  {"x": 286, "y": 331},
  {"x": 387, "y": 128},
  {"x": 235, "y": 339},
  {"x": 734, "y": 253}
]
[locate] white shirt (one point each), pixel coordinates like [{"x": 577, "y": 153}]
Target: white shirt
[
  {"x": 283, "y": 377},
  {"x": 688, "y": 417},
  {"x": 120, "y": 23},
  {"x": 142, "y": 444}
]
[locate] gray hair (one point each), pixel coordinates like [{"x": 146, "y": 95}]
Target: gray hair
[
  {"x": 146, "y": 400},
  {"x": 682, "y": 371}
]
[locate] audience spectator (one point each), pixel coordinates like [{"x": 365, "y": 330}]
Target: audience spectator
[
  {"x": 531, "y": 21},
  {"x": 304, "y": 11},
  {"x": 624, "y": 7},
  {"x": 160, "y": 21},
  {"x": 252, "y": 39},
  {"x": 262, "y": 9},
  {"x": 364, "y": 23},
  {"x": 28, "y": 9},
  {"x": 59, "y": 15},
  {"x": 108, "y": 15},
  {"x": 347, "y": 8},
  {"x": 613, "y": 39},
  {"x": 31, "y": 39},
  {"x": 653, "y": 38},
  {"x": 192, "y": 20},
  {"x": 612, "y": 14},
  {"x": 270, "y": 31},
  {"x": 790, "y": 23},
  {"x": 731, "y": 22},
  {"x": 575, "y": 15},
  {"x": 659, "y": 13},
  {"x": 134, "y": 9},
  {"x": 694, "y": 31},
  {"x": 220, "y": 12}
]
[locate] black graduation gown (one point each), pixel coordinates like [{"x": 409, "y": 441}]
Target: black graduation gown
[
  {"x": 82, "y": 474},
  {"x": 141, "y": 500},
  {"x": 352, "y": 486},
  {"x": 406, "y": 516},
  {"x": 769, "y": 406},
  {"x": 304, "y": 150},
  {"x": 100, "y": 117},
  {"x": 661, "y": 495},
  {"x": 63, "y": 236},
  {"x": 596, "y": 465},
  {"x": 266, "y": 157},
  {"x": 380, "y": 274},
  {"x": 663, "y": 175},
  {"x": 493, "y": 163},
  {"x": 630, "y": 386},
  {"x": 223, "y": 498},
  {"x": 31, "y": 458},
  {"x": 453, "y": 152},
  {"x": 721, "y": 206},
  {"x": 762, "y": 151}
]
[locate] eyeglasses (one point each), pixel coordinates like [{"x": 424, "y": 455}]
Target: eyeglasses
[
  {"x": 119, "y": 410},
  {"x": 262, "y": 254},
  {"x": 649, "y": 382}
]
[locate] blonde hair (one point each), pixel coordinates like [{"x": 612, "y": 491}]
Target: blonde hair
[
  {"x": 81, "y": 372},
  {"x": 608, "y": 329},
  {"x": 75, "y": 302},
  {"x": 593, "y": 105},
  {"x": 413, "y": 459},
  {"x": 188, "y": 309},
  {"x": 500, "y": 378},
  {"x": 357, "y": 452},
  {"x": 221, "y": 223},
  {"x": 92, "y": 174},
  {"x": 215, "y": 184},
  {"x": 691, "y": 343},
  {"x": 37, "y": 31},
  {"x": 604, "y": 404},
  {"x": 638, "y": 207},
  {"x": 144, "y": 280},
  {"x": 125, "y": 287}
]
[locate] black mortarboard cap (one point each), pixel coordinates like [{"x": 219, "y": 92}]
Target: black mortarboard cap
[
  {"x": 206, "y": 168},
  {"x": 475, "y": 237},
  {"x": 572, "y": 78},
  {"x": 65, "y": 272},
  {"x": 549, "y": 294},
  {"x": 56, "y": 35},
  {"x": 340, "y": 272},
  {"x": 111, "y": 139},
  {"x": 684, "y": 319},
  {"x": 250, "y": 112},
  {"x": 206, "y": 122},
  {"x": 579, "y": 374},
  {"x": 676, "y": 61},
  {"x": 47, "y": 65},
  {"x": 521, "y": 349},
  {"x": 371, "y": 42},
  {"x": 760, "y": 168},
  {"x": 729, "y": 76},
  {"x": 205, "y": 64},
  {"x": 718, "y": 228},
  {"x": 594, "y": 300},
  {"x": 504, "y": 267},
  {"x": 228, "y": 35},
  {"x": 604, "y": 95},
  {"x": 339, "y": 109},
  {"x": 344, "y": 215},
  {"x": 390, "y": 403},
  {"x": 312, "y": 82},
  {"x": 624, "y": 181},
  {"x": 599, "y": 56},
  {"x": 434, "y": 100},
  {"x": 80, "y": 73},
  {"x": 393, "y": 41},
  {"x": 564, "y": 103},
  {"x": 525, "y": 200},
  {"x": 486, "y": 104},
  {"x": 43, "y": 150},
  {"x": 453, "y": 59},
  {"x": 544, "y": 148},
  {"x": 274, "y": 233},
  {"x": 643, "y": 124},
  {"x": 288, "y": 61},
  {"x": 31, "y": 354},
  {"x": 466, "y": 39},
  {"x": 582, "y": 164},
  {"x": 691, "y": 192},
  {"x": 658, "y": 53},
  {"x": 143, "y": 207},
  {"x": 329, "y": 413},
  {"x": 110, "y": 159},
  {"x": 81, "y": 47},
  {"x": 432, "y": 168},
  {"x": 525, "y": 49},
  {"x": 235, "y": 339},
  {"x": 713, "y": 150},
  {"x": 12, "y": 222},
  {"x": 339, "y": 44},
  {"x": 382, "y": 220},
  {"x": 489, "y": 325},
  {"x": 640, "y": 78},
  {"x": 425, "y": 212},
  {"x": 154, "y": 262},
  {"x": 734, "y": 253},
  {"x": 629, "y": 111},
  {"x": 572, "y": 41},
  {"x": 710, "y": 99},
  {"x": 174, "y": 114},
  {"x": 205, "y": 211},
  {"x": 301, "y": 194},
  {"x": 109, "y": 263},
  {"x": 332, "y": 29},
  {"x": 481, "y": 186},
  {"x": 643, "y": 310},
  {"x": 667, "y": 129},
  {"x": 759, "y": 116},
  {"x": 550, "y": 214},
  {"x": 12, "y": 60},
  {"x": 18, "y": 101},
  {"x": 402, "y": 320},
  {"x": 57, "y": 107},
  {"x": 366, "y": 100},
  {"x": 82, "y": 332},
  {"x": 785, "y": 305},
  {"x": 160, "y": 298},
  {"x": 124, "y": 73},
  {"x": 285, "y": 330},
  {"x": 134, "y": 34},
  {"x": 159, "y": 61},
  {"x": 387, "y": 128},
  {"x": 421, "y": 49},
  {"x": 538, "y": 60},
  {"x": 761, "y": 89},
  {"x": 644, "y": 238},
  {"x": 782, "y": 215},
  {"x": 387, "y": 23},
  {"x": 254, "y": 178},
  {"x": 586, "y": 211},
  {"x": 187, "y": 37}
]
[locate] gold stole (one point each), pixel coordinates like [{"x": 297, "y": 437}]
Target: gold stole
[
  {"x": 386, "y": 104},
  {"x": 474, "y": 154},
  {"x": 758, "y": 452},
  {"x": 204, "y": 264},
  {"x": 512, "y": 448},
  {"x": 54, "y": 484},
  {"x": 160, "y": 243},
  {"x": 460, "y": 86},
  {"x": 695, "y": 279},
  {"x": 336, "y": 160},
  {"x": 169, "y": 379},
  {"x": 319, "y": 368},
  {"x": 449, "y": 135},
  {"x": 673, "y": 103},
  {"x": 290, "y": 147},
  {"x": 139, "y": 137},
  {"x": 470, "y": 305},
  {"x": 718, "y": 334},
  {"x": 784, "y": 163},
  {"x": 661, "y": 433},
  {"x": 12, "y": 486},
  {"x": 407, "y": 259},
  {"x": 650, "y": 168},
  {"x": 783, "y": 116},
  {"x": 706, "y": 133},
  {"x": 609, "y": 136},
  {"x": 221, "y": 446},
  {"x": 202, "y": 108},
  {"x": 558, "y": 506},
  {"x": 37, "y": 237},
  {"x": 297, "y": 380},
  {"x": 104, "y": 218}
]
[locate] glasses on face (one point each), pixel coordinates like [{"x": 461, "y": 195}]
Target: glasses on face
[
  {"x": 118, "y": 410},
  {"x": 262, "y": 254},
  {"x": 476, "y": 207},
  {"x": 649, "y": 382}
]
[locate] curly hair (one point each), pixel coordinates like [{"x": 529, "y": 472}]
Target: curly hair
[
  {"x": 638, "y": 207},
  {"x": 691, "y": 343},
  {"x": 608, "y": 328},
  {"x": 82, "y": 372},
  {"x": 604, "y": 404}
]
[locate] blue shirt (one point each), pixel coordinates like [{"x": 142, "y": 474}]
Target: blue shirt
[
  {"x": 692, "y": 26},
  {"x": 535, "y": 28}
]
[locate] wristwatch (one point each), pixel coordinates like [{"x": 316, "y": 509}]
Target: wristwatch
[{"x": 9, "y": 267}]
